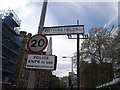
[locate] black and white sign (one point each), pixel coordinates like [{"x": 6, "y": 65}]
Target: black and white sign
[
  {"x": 37, "y": 43},
  {"x": 63, "y": 30},
  {"x": 47, "y": 62}
]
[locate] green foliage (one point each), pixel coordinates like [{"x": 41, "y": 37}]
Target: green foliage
[
  {"x": 93, "y": 74},
  {"x": 96, "y": 45},
  {"x": 64, "y": 82},
  {"x": 54, "y": 82},
  {"x": 98, "y": 55},
  {"x": 115, "y": 54}
]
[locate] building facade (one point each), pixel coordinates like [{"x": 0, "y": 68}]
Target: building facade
[
  {"x": 115, "y": 30},
  {"x": 0, "y": 53},
  {"x": 10, "y": 46},
  {"x": 28, "y": 78},
  {"x": 21, "y": 74}
]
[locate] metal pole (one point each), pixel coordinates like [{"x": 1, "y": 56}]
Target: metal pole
[
  {"x": 1, "y": 52},
  {"x": 31, "y": 82},
  {"x": 72, "y": 64},
  {"x": 42, "y": 18},
  {"x": 72, "y": 74},
  {"x": 78, "y": 57},
  {"x": 31, "y": 85}
]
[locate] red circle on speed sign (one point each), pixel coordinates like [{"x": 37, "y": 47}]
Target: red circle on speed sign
[{"x": 37, "y": 43}]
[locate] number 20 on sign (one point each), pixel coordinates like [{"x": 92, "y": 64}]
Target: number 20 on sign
[{"x": 37, "y": 43}]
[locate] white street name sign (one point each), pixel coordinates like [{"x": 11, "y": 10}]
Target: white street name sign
[
  {"x": 47, "y": 62},
  {"x": 63, "y": 30}
]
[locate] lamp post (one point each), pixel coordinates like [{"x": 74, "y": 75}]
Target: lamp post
[
  {"x": 71, "y": 63},
  {"x": 72, "y": 73}
]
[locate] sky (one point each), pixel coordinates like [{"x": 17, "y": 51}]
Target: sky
[{"x": 90, "y": 13}]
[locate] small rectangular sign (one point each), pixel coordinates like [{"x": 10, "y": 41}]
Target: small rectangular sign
[
  {"x": 41, "y": 62},
  {"x": 63, "y": 30}
]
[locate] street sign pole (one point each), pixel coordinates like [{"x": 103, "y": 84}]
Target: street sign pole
[
  {"x": 42, "y": 18},
  {"x": 78, "y": 69},
  {"x": 40, "y": 29},
  {"x": 78, "y": 57},
  {"x": 78, "y": 54}
]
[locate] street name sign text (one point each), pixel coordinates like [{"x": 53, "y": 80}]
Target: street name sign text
[{"x": 63, "y": 30}]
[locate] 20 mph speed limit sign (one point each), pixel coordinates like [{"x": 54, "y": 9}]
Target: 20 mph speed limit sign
[{"x": 37, "y": 43}]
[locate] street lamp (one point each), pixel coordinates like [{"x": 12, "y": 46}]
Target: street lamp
[
  {"x": 71, "y": 61},
  {"x": 72, "y": 73}
]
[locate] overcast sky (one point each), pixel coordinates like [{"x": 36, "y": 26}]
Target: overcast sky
[{"x": 90, "y": 13}]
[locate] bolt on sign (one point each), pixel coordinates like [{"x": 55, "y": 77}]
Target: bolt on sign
[{"x": 41, "y": 62}]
